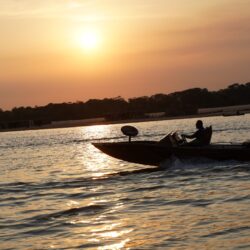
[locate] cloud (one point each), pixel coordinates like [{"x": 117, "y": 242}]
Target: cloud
[{"x": 38, "y": 9}]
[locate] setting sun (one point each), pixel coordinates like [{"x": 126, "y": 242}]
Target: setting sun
[{"x": 89, "y": 40}]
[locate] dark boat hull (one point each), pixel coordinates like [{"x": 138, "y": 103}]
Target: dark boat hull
[{"x": 153, "y": 153}]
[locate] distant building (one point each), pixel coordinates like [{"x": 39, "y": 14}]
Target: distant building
[
  {"x": 22, "y": 124},
  {"x": 155, "y": 115},
  {"x": 73, "y": 123},
  {"x": 16, "y": 124},
  {"x": 228, "y": 110}
]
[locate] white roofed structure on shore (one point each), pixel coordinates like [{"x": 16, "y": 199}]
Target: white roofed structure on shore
[{"x": 233, "y": 110}]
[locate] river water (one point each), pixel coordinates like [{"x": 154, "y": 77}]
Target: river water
[{"x": 59, "y": 192}]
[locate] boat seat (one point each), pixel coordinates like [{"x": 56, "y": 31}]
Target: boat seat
[{"x": 207, "y": 136}]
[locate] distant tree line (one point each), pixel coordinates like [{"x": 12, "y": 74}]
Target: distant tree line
[{"x": 179, "y": 103}]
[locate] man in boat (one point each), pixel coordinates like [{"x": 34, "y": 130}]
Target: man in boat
[{"x": 200, "y": 136}]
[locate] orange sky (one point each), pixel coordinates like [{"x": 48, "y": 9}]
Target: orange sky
[{"x": 140, "y": 47}]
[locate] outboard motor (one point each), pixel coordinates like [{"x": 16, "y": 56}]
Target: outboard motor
[{"x": 129, "y": 131}]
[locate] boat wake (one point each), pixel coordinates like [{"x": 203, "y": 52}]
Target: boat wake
[
  {"x": 202, "y": 163},
  {"x": 195, "y": 165}
]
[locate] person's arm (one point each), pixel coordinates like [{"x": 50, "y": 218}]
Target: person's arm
[{"x": 194, "y": 135}]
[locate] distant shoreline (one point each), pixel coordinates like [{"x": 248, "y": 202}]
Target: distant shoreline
[{"x": 84, "y": 123}]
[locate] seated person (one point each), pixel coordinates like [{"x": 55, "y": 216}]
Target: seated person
[{"x": 201, "y": 137}]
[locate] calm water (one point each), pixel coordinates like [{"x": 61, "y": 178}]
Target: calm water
[{"x": 58, "y": 192}]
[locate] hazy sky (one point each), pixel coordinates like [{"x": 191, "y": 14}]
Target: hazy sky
[{"x": 65, "y": 50}]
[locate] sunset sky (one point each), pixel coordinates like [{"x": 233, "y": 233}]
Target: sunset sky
[{"x": 65, "y": 50}]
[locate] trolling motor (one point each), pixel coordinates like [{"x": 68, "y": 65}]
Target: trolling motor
[{"x": 129, "y": 131}]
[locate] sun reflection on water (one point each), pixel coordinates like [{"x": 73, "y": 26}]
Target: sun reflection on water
[
  {"x": 113, "y": 233},
  {"x": 72, "y": 203},
  {"x": 96, "y": 130},
  {"x": 95, "y": 162},
  {"x": 116, "y": 246}
]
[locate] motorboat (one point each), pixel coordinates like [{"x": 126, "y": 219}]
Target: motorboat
[{"x": 156, "y": 152}]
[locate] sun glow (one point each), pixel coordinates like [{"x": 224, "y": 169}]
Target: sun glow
[{"x": 89, "y": 40}]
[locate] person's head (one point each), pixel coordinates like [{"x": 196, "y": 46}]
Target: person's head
[{"x": 199, "y": 124}]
